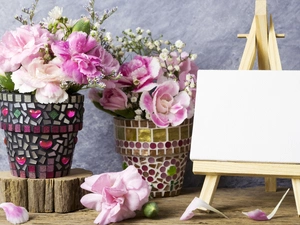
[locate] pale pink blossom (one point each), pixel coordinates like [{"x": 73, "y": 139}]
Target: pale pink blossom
[
  {"x": 43, "y": 78},
  {"x": 166, "y": 105},
  {"x": 116, "y": 195},
  {"x": 24, "y": 42},
  {"x": 15, "y": 214},
  {"x": 141, "y": 72}
]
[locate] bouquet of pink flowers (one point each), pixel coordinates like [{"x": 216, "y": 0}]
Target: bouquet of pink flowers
[
  {"x": 57, "y": 56},
  {"x": 158, "y": 83}
]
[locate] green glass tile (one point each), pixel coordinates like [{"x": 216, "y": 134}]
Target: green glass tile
[
  {"x": 53, "y": 114},
  {"x": 17, "y": 113},
  {"x": 120, "y": 133},
  {"x": 130, "y": 134},
  {"x": 173, "y": 133},
  {"x": 144, "y": 135},
  {"x": 159, "y": 135},
  {"x": 184, "y": 132}
]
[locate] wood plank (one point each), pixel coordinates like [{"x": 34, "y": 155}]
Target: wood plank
[
  {"x": 296, "y": 187},
  {"x": 249, "y": 54},
  {"x": 262, "y": 34},
  {"x": 274, "y": 57},
  {"x": 231, "y": 201},
  {"x": 257, "y": 169},
  {"x": 209, "y": 188}
]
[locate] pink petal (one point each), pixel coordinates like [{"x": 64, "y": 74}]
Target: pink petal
[
  {"x": 15, "y": 214},
  {"x": 195, "y": 204},
  {"x": 260, "y": 215},
  {"x": 88, "y": 182},
  {"x": 92, "y": 201},
  {"x": 256, "y": 214}
]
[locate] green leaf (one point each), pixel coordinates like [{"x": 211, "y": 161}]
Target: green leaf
[
  {"x": 82, "y": 25},
  {"x": 124, "y": 165},
  {"x": 6, "y": 82},
  {"x": 126, "y": 113}
]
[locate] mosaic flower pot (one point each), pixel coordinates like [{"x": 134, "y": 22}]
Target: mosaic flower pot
[
  {"x": 159, "y": 154},
  {"x": 40, "y": 138}
]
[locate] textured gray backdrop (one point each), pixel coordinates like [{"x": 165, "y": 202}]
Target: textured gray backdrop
[{"x": 209, "y": 27}]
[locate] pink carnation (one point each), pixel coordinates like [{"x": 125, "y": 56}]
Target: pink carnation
[
  {"x": 112, "y": 98},
  {"x": 166, "y": 105},
  {"x": 24, "y": 42},
  {"x": 140, "y": 72},
  {"x": 81, "y": 58},
  {"x": 43, "y": 78},
  {"x": 116, "y": 195}
]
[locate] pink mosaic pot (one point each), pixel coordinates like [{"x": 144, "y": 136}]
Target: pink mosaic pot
[
  {"x": 40, "y": 138},
  {"x": 159, "y": 154}
]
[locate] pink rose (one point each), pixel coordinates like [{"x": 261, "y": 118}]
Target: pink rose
[
  {"x": 43, "y": 78},
  {"x": 113, "y": 99},
  {"x": 166, "y": 105},
  {"x": 24, "y": 42},
  {"x": 116, "y": 195},
  {"x": 140, "y": 72}
]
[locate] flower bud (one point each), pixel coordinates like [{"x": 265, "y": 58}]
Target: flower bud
[
  {"x": 82, "y": 25},
  {"x": 150, "y": 209}
]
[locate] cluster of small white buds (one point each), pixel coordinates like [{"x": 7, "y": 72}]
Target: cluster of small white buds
[{"x": 138, "y": 115}]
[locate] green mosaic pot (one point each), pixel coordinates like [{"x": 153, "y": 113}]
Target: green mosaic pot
[
  {"x": 40, "y": 138},
  {"x": 159, "y": 154}
]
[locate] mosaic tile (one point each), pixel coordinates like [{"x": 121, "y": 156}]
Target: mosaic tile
[
  {"x": 160, "y": 154},
  {"x": 29, "y": 131}
]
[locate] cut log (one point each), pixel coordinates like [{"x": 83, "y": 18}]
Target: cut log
[{"x": 60, "y": 195}]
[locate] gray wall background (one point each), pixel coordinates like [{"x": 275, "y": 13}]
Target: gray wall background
[{"x": 208, "y": 27}]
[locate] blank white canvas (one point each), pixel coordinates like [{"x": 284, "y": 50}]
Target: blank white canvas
[{"x": 251, "y": 116}]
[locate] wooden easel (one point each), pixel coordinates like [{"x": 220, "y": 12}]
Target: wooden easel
[{"x": 261, "y": 41}]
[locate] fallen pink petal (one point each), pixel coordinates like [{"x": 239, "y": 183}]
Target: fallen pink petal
[
  {"x": 259, "y": 215},
  {"x": 15, "y": 214},
  {"x": 198, "y": 203}
]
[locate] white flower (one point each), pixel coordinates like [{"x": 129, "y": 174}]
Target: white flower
[
  {"x": 94, "y": 33},
  {"x": 164, "y": 50},
  {"x": 138, "y": 117},
  {"x": 97, "y": 25},
  {"x": 138, "y": 111},
  {"x": 193, "y": 56},
  {"x": 176, "y": 67},
  {"x": 179, "y": 44},
  {"x": 127, "y": 31},
  {"x": 133, "y": 99},
  {"x": 170, "y": 67},
  {"x": 139, "y": 37},
  {"x": 56, "y": 13},
  {"x": 108, "y": 36},
  {"x": 148, "y": 117},
  {"x": 163, "y": 56},
  {"x": 157, "y": 43}
]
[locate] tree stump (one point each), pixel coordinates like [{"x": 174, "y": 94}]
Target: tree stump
[{"x": 59, "y": 195}]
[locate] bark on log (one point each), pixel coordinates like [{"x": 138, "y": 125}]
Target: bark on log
[{"x": 60, "y": 195}]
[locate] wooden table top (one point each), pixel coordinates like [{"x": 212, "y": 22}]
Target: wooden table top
[{"x": 230, "y": 201}]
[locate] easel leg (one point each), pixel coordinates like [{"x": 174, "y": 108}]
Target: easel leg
[
  {"x": 209, "y": 188},
  {"x": 270, "y": 184},
  {"x": 296, "y": 189}
]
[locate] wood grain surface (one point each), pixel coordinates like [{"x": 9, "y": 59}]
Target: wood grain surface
[{"x": 231, "y": 202}]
